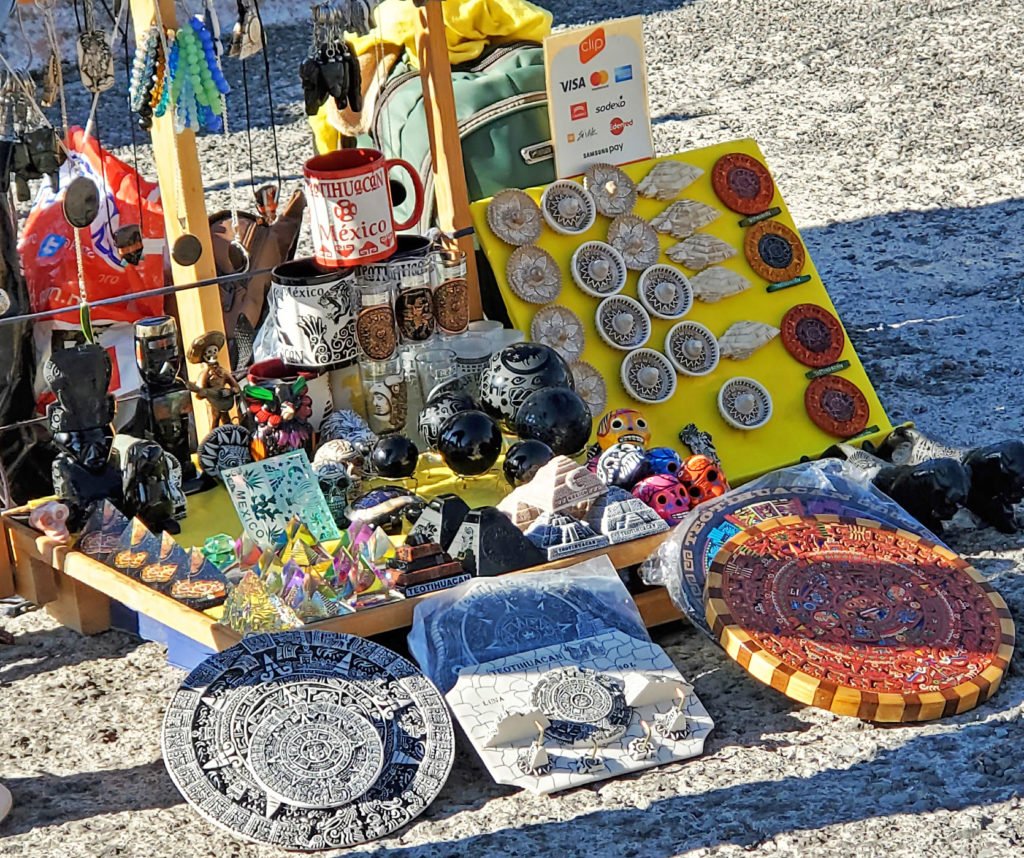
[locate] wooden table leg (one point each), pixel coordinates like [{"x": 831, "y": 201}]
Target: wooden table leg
[{"x": 79, "y": 607}]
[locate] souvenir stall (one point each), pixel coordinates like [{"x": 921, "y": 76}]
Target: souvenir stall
[{"x": 672, "y": 423}]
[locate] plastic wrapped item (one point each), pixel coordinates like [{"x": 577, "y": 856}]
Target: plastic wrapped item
[
  {"x": 490, "y": 618},
  {"x": 826, "y": 487}
]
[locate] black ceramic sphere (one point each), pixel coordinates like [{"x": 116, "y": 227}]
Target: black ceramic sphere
[
  {"x": 558, "y": 417},
  {"x": 434, "y": 414},
  {"x": 469, "y": 443},
  {"x": 517, "y": 371},
  {"x": 394, "y": 457},
  {"x": 524, "y": 459}
]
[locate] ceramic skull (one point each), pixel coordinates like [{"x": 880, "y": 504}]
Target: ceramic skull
[
  {"x": 703, "y": 479},
  {"x": 663, "y": 460},
  {"x": 623, "y": 425},
  {"x": 665, "y": 495},
  {"x": 621, "y": 465}
]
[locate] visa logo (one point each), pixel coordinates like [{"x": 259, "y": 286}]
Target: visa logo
[
  {"x": 592, "y": 45},
  {"x": 573, "y": 85},
  {"x": 623, "y": 73}
]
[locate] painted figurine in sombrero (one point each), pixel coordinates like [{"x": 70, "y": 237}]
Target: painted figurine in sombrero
[{"x": 216, "y": 384}]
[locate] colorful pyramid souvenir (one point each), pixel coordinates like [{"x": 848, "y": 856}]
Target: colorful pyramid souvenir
[
  {"x": 202, "y": 586},
  {"x": 102, "y": 531},
  {"x": 422, "y": 566},
  {"x": 250, "y": 608},
  {"x": 136, "y": 548}
]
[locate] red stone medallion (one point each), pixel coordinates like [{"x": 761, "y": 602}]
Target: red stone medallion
[
  {"x": 836, "y": 406},
  {"x": 859, "y": 618},
  {"x": 812, "y": 335},
  {"x": 742, "y": 183}
]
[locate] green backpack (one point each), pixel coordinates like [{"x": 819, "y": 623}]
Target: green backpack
[{"x": 502, "y": 107}]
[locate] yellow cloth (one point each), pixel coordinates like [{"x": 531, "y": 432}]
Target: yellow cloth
[{"x": 470, "y": 25}]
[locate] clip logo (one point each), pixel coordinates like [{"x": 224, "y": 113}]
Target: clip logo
[
  {"x": 599, "y": 79},
  {"x": 592, "y": 45},
  {"x": 50, "y": 246},
  {"x": 618, "y": 126},
  {"x": 578, "y": 111},
  {"x": 623, "y": 73}
]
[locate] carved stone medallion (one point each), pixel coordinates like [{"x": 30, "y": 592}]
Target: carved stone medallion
[
  {"x": 648, "y": 376},
  {"x": 636, "y": 240},
  {"x": 744, "y": 403},
  {"x": 534, "y": 275},
  {"x": 613, "y": 191},
  {"x": 561, "y": 329},
  {"x": 812, "y": 335},
  {"x": 623, "y": 323},
  {"x": 514, "y": 217},
  {"x": 590, "y": 386},
  {"x": 774, "y": 251},
  {"x": 308, "y": 740},
  {"x": 568, "y": 208},
  {"x": 665, "y": 292},
  {"x": 743, "y": 183},
  {"x": 583, "y": 706},
  {"x": 692, "y": 348},
  {"x": 837, "y": 406},
  {"x": 598, "y": 269}
]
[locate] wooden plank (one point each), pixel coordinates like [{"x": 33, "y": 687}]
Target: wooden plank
[
  {"x": 450, "y": 189},
  {"x": 35, "y": 559},
  {"x": 184, "y": 204},
  {"x": 6, "y": 565},
  {"x": 141, "y": 598},
  {"x": 79, "y": 607},
  {"x": 656, "y": 607}
]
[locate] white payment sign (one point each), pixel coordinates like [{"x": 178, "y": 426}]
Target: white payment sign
[{"x": 597, "y": 95}]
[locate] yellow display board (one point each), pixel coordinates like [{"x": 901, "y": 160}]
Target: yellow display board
[{"x": 789, "y": 435}]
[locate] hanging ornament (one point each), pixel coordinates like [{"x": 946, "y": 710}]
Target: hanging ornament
[
  {"x": 95, "y": 59},
  {"x": 195, "y": 84},
  {"x": 247, "y": 34}
]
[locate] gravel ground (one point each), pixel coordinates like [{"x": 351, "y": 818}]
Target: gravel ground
[{"x": 894, "y": 132}]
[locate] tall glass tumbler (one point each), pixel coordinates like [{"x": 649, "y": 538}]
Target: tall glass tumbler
[
  {"x": 451, "y": 292},
  {"x": 385, "y": 394},
  {"x": 376, "y": 331}
]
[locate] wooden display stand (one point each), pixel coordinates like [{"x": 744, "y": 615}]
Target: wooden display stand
[{"x": 79, "y": 591}]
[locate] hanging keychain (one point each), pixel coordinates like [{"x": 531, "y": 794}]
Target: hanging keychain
[
  {"x": 95, "y": 59},
  {"x": 247, "y": 34}
]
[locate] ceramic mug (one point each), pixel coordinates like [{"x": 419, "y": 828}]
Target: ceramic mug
[
  {"x": 350, "y": 210},
  {"x": 314, "y": 313}
]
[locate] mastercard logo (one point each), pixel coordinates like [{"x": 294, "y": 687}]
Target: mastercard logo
[{"x": 599, "y": 78}]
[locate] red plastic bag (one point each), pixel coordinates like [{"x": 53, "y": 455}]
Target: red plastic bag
[{"x": 47, "y": 245}]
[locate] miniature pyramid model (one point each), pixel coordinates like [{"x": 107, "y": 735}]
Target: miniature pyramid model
[
  {"x": 488, "y": 543},
  {"x": 559, "y": 486},
  {"x": 622, "y": 517}
]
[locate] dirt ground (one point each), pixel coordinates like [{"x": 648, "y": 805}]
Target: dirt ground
[{"x": 895, "y": 134}]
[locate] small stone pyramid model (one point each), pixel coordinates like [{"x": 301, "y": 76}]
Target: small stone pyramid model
[
  {"x": 440, "y": 520},
  {"x": 560, "y": 486},
  {"x": 421, "y": 566},
  {"x": 489, "y": 544},
  {"x": 622, "y": 517},
  {"x": 561, "y": 535}
]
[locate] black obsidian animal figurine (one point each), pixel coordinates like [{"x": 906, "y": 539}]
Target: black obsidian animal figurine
[
  {"x": 146, "y": 480},
  {"x": 996, "y": 472},
  {"x": 931, "y": 491}
]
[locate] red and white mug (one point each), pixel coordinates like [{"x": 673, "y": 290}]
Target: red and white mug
[{"x": 350, "y": 209}]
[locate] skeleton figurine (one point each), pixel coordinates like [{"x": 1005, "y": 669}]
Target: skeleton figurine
[{"x": 216, "y": 384}]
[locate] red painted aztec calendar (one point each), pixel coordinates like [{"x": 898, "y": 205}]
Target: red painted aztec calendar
[{"x": 859, "y": 618}]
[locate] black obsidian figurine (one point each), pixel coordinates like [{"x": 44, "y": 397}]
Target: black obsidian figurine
[
  {"x": 146, "y": 481},
  {"x": 931, "y": 491},
  {"x": 441, "y": 519},
  {"x": 166, "y": 400},
  {"x": 524, "y": 459},
  {"x": 997, "y": 483},
  {"x": 80, "y": 421},
  {"x": 558, "y": 417},
  {"x": 394, "y": 457},
  {"x": 517, "y": 371},
  {"x": 469, "y": 443},
  {"x": 488, "y": 543}
]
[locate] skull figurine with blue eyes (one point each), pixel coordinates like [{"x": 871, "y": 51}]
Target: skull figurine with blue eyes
[
  {"x": 665, "y": 495},
  {"x": 621, "y": 465},
  {"x": 663, "y": 460}
]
